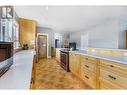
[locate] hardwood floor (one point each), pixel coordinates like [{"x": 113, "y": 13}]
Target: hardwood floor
[{"x": 49, "y": 75}]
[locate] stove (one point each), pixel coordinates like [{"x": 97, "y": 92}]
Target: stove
[
  {"x": 64, "y": 56},
  {"x": 64, "y": 62}
]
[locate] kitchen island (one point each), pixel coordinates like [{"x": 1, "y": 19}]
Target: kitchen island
[
  {"x": 121, "y": 60},
  {"x": 19, "y": 74},
  {"x": 99, "y": 71}
]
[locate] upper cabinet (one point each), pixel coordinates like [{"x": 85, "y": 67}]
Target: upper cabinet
[{"x": 27, "y": 32}]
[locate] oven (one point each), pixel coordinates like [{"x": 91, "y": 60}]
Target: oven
[{"x": 64, "y": 59}]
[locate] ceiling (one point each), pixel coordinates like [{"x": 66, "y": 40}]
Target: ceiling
[{"x": 70, "y": 18}]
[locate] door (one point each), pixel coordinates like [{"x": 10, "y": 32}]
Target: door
[{"x": 42, "y": 46}]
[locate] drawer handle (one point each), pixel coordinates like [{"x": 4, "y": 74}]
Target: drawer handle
[
  {"x": 87, "y": 77},
  {"x": 111, "y": 77},
  {"x": 111, "y": 66},
  {"x": 87, "y": 66}
]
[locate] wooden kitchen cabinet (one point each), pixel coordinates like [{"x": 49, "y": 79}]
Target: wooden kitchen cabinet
[
  {"x": 89, "y": 70},
  {"x": 89, "y": 64},
  {"x": 105, "y": 84},
  {"x": 27, "y": 32},
  {"x": 98, "y": 73},
  {"x": 58, "y": 54},
  {"x": 114, "y": 73},
  {"x": 77, "y": 64},
  {"x": 71, "y": 61},
  {"x": 89, "y": 78},
  {"x": 74, "y": 63},
  {"x": 84, "y": 67}
]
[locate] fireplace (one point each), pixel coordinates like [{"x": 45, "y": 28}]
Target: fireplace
[
  {"x": 6, "y": 50},
  {"x": 6, "y": 56},
  {"x": 2, "y": 54}
]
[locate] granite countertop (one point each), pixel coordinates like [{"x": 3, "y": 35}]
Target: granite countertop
[
  {"x": 19, "y": 74},
  {"x": 122, "y": 60}
]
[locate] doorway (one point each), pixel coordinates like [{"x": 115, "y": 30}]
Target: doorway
[{"x": 42, "y": 46}]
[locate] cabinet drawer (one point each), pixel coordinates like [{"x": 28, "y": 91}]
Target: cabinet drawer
[
  {"x": 88, "y": 59},
  {"x": 113, "y": 66},
  {"x": 105, "y": 84},
  {"x": 88, "y": 66},
  {"x": 114, "y": 78},
  {"x": 89, "y": 78}
]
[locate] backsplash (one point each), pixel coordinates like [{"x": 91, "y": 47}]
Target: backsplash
[{"x": 112, "y": 52}]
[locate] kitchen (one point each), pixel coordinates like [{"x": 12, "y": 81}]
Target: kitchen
[{"x": 84, "y": 49}]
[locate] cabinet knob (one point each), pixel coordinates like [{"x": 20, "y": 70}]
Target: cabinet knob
[
  {"x": 111, "y": 65},
  {"x": 87, "y": 66},
  {"x": 86, "y": 58},
  {"x": 87, "y": 77}
]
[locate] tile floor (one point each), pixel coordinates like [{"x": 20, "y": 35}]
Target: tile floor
[{"x": 49, "y": 75}]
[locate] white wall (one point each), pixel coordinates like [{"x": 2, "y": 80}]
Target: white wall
[
  {"x": 105, "y": 35},
  {"x": 60, "y": 38},
  {"x": 78, "y": 37},
  {"x": 122, "y": 28}
]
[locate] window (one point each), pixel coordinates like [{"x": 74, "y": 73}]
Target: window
[{"x": 16, "y": 34}]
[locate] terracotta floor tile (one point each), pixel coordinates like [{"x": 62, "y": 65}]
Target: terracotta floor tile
[{"x": 49, "y": 75}]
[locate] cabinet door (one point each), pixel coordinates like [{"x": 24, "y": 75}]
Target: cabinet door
[
  {"x": 77, "y": 64},
  {"x": 58, "y": 55},
  {"x": 74, "y": 63},
  {"x": 71, "y": 61},
  {"x": 105, "y": 84}
]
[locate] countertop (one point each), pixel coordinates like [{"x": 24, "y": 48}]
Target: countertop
[
  {"x": 19, "y": 74},
  {"x": 122, "y": 60}
]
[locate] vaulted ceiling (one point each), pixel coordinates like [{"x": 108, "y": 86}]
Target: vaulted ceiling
[{"x": 71, "y": 18}]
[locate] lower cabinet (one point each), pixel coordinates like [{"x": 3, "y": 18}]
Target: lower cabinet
[
  {"x": 105, "y": 84},
  {"x": 89, "y": 78},
  {"x": 84, "y": 67},
  {"x": 58, "y": 54},
  {"x": 74, "y": 63},
  {"x": 112, "y": 75},
  {"x": 98, "y": 73},
  {"x": 89, "y": 70},
  {"x": 71, "y": 61}
]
